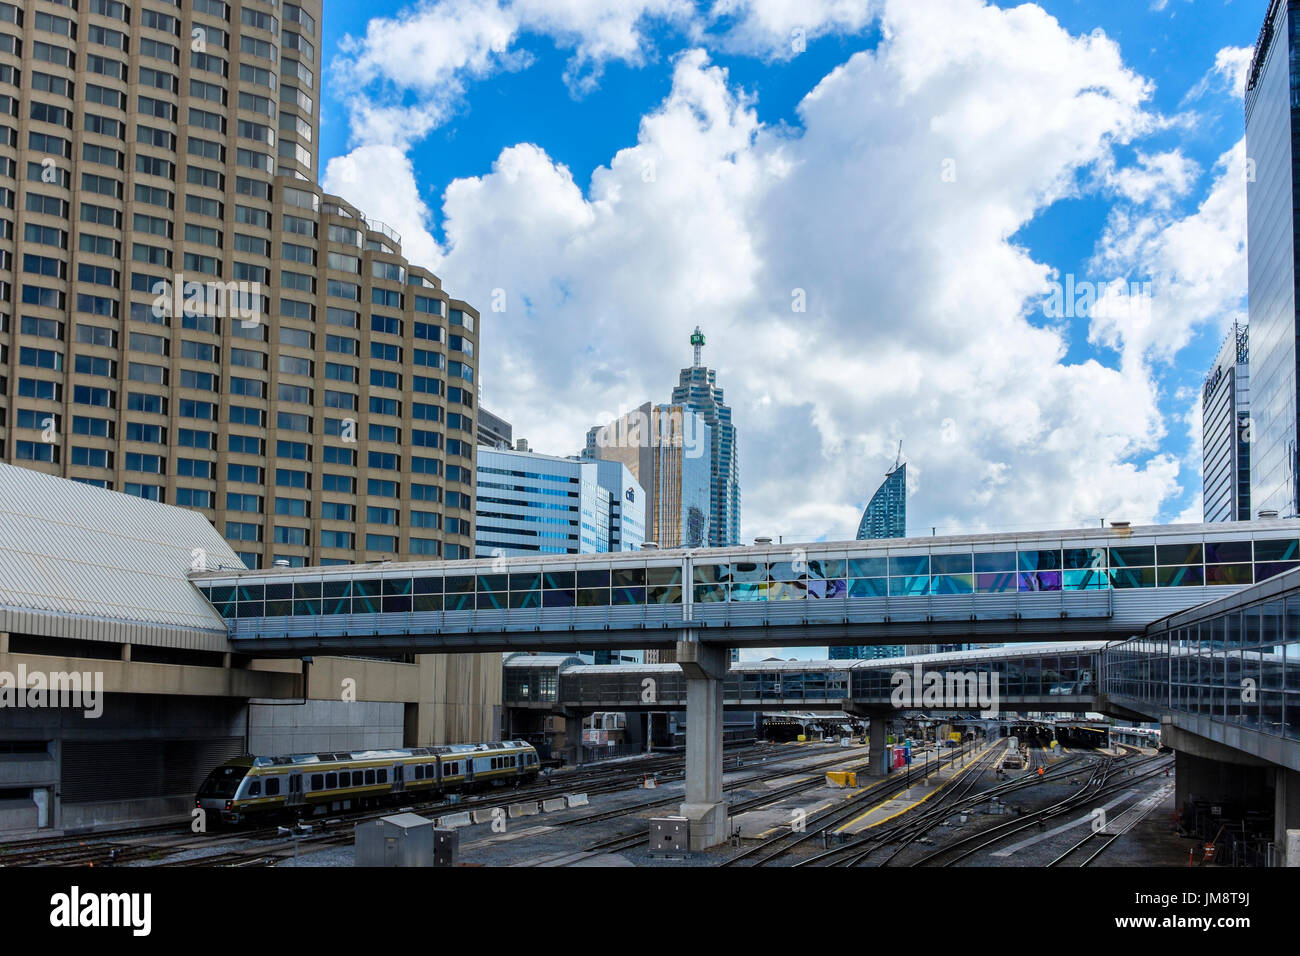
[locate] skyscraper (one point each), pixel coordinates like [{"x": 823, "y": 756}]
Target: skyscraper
[
  {"x": 666, "y": 448},
  {"x": 1271, "y": 114},
  {"x": 886, "y": 515},
  {"x": 531, "y": 504},
  {"x": 697, "y": 389},
  {"x": 1225, "y": 432},
  {"x": 189, "y": 318}
]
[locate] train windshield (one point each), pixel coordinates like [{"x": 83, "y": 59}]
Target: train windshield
[{"x": 223, "y": 782}]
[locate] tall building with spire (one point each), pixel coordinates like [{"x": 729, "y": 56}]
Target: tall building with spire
[
  {"x": 697, "y": 389},
  {"x": 886, "y": 515}
]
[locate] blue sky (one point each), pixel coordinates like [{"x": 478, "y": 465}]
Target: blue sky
[{"x": 617, "y": 179}]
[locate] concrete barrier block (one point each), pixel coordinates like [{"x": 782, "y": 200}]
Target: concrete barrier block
[
  {"x": 577, "y": 799},
  {"x": 524, "y": 809},
  {"x": 482, "y": 816},
  {"x": 555, "y": 803},
  {"x": 453, "y": 820}
]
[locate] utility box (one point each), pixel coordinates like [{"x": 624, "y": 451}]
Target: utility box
[
  {"x": 403, "y": 839},
  {"x": 445, "y": 846},
  {"x": 669, "y": 835}
]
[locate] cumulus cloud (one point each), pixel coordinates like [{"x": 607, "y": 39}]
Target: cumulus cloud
[{"x": 857, "y": 275}]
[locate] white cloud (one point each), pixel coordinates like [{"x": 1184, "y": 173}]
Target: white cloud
[
  {"x": 1228, "y": 75},
  {"x": 1196, "y": 265},
  {"x": 892, "y": 211},
  {"x": 781, "y": 29}
]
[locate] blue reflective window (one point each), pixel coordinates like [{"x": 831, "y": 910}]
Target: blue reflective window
[
  {"x": 559, "y": 598},
  {"x": 1171, "y": 554},
  {"x": 1039, "y": 560},
  {"x": 950, "y": 563},
  {"x": 525, "y": 599},
  {"x": 1265, "y": 571},
  {"x": 784, "y": 571},
  {"x": 1078, "y": 558},
  {"x": 461, "y": 601},
  {"x": 1039, "y": 580},
  {"x": 711, "y": 574},
  {"x": 1085, "y": 580},
  {"x": 787, "y": 591},
  {"x": 909, "y": 565},
  {"x": 995, "y": 583},
  {"x": 1191, "y": 575},
  {"x": 559, "y": 580},
  {"x": 493, "y": 582},
  {"x": 1277, "y": 550},
  {"x": 1227, "y": 552},
  {"x": 1133, "y": 557},
  {"x": 827, "y": 589},
  {"x": 666, "y": 595},
  {"x": 952, "y": 584},
  {"x": 492, "y": 601},
  {"x": 710, "y": 593},
  {"x": 868, "y": 587},
  {"x": 748, "y": 571},
  {"x": 749, "y": 591},
  {"x": 1229, "y": 574},
  {"x": 1123, "y": 577},
  {"x": 995, "y": 561},
  {"x": 911, "y": 585},
  {"x": 621, "y": 596},
  {"x": 827, "y": 568},
  {"x": 868, "y": 567}
]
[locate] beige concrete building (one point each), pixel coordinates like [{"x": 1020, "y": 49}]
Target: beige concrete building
[
  {"x": 188, "y": 318},
  {"x": 95, "y": 600}
]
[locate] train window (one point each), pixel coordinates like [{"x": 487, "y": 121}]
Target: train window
[
  {"x": 431, "y": 771},
  {"x": 331, "y": 781},
  {"x": 273, "y": 787},
  {"x": 358, "y": 778},
  {"x": 370, "y": 776},
  {"x": 255, "y": 788},
  {"x": 419, "y": 771},
  {"x": 383, "y": 775},
  {"x": 318, "y": 781}
]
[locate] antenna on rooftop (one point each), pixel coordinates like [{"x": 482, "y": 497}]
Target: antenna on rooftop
[{"x": 898, "y": 459}]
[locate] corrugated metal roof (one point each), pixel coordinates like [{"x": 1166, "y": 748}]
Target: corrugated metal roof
[{"x": 75, "y": 549}]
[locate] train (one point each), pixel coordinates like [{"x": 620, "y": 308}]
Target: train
[{"x": 301, "y": 785}]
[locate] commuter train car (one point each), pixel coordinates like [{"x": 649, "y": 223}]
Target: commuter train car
[{"x": 253, "y": 788}]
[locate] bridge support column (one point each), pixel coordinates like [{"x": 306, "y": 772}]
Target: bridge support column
[
  {"x": 877, "y": 749},
  {"x": 705, "y": 667}
]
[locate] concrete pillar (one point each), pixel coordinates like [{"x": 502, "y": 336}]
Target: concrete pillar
[
  {"x": 4, "y": 642},
  {"x": 1286, "y": 817},
  {"x": 126, "y": 652},
  {"x": 573, "y": 738},
  {"x": 705, "y": 667},
  {"x": 877, "y": 749}
]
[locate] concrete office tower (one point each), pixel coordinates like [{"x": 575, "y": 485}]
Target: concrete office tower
[
  {"x": 1226, "y": 431},
  {"x": 886, "y": 515},
  {"x": 1271, "y": 115},
  {"x": 189, "y": 318},
  {"x": 697, "y": 389},
  {"x": 666, "y": 448},
  {"x": 494, "y": 431},
  {"x": 532, "y": 504},
  {"x": 627, "y": 506}
]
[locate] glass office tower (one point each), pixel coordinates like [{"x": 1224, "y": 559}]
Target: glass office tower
[
  {"x": 886, "y": 515},
  {"x": 1225, "y": 432},
  {"x": 697, "y": 389},
  {"x": 1271, "y": 108},
  {"x": 187, "y": 317}
]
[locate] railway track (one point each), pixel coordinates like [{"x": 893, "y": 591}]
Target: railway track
[
  {"x": 1098, "y": 786},
  {"x": 780, "y": 844}
]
